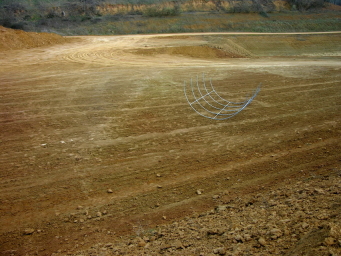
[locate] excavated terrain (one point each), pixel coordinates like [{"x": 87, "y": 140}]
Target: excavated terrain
[{"x": 101, "y": 154}]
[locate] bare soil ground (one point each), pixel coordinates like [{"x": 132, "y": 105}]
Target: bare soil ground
[{"x": 100, "y": 149}]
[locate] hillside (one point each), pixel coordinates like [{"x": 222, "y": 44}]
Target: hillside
[{"x": 144, "y": 17}]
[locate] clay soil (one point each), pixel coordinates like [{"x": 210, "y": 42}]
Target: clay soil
[{"x": 99, "y": 147}]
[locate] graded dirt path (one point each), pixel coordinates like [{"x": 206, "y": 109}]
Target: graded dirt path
[{"x": 97, "y": 138}]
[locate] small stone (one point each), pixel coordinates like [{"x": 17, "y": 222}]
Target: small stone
[
  {"x": 28, "y": 231},
  {"x": 238, "y": 238},
  {"x": 329, "y": 241},
  {"x": 165, "y": 246},
  {"x": 247, "y": 237},
  {"x": 215, "y": 196},
  {"x": 141, "y": 243},
  {"x": 99, "y": 214},
  {"x": 220, "y": 208},
  {"x": 319, "y": 191},
  {"x": 109, "y": 191},
  {"x": 159, "y": 186},
  {"x": 177, "y": 244},
  {"x": 275, "y": 233},
  {"x": 305, "y": 225},
  {"x": 164, "y": 217},
  {"x": 158, "y": 175},
  {"x": 262, "y": 241},
  {"x": 199, "y": 192},
  {"x": 220, "y": 251}
]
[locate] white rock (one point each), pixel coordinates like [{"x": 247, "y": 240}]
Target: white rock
[{"x": 28, "y": 231}]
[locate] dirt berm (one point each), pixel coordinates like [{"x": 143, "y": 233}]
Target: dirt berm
[{"x": 11, "y": 39}]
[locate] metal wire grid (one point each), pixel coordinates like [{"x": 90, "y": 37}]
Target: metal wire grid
[{"x": 208, "y": 103}]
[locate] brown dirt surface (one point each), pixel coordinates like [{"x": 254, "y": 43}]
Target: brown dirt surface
[
  {"x": 11, "y": 39},
  {"x": 102, "y": 155}
]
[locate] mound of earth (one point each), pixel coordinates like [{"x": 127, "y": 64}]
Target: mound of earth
[
  {"x": 230, "y": 50},
  {"x": 11, "y": 39}
]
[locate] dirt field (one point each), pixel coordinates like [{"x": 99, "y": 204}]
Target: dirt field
[{"x": 98, "y": 143}]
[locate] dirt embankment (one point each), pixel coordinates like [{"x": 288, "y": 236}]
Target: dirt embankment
[{"x": 11, "y": 39}]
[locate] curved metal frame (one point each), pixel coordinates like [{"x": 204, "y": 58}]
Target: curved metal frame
[{"x": 213, "y": 105}]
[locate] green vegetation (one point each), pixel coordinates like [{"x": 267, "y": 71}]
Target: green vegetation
[
  {"x": 107, "y": 17},
  {"x": 156, "y": 11}
]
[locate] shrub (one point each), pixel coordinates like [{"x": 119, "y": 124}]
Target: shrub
[
  {"x": 156, "y": 11},
  {"x": 19, "y": 25},
  {"x": 306, "y": 4}
]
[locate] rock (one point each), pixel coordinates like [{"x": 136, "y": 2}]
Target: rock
[
  {"x": 262, "y": 241},
  {"x": 220, "y": 251},
  {"x": 199, "y": 191},
  {"x": 215, "y": 231},
  {"x": 220, "y": 208},
  {"x": 165, "y": 246},
  {"x": 319, "y": 191},
  {"x": 109, "y": 191},
  {"x": 247, "y": 237},
  {"x": 329, "y": 241},
  {"x": 141, "y": 243},
  {"x": 177, "y": 244},
  {"x": 238, "y": 238},
  {"x": 275, "y": 233},
  {"x": 99, "y": 214},
  {"x": 28, "y": 231},
  {"x": 305, "y": 225}
]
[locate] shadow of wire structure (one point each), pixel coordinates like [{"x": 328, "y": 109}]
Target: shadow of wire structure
[{"x": 208, "y": 103}]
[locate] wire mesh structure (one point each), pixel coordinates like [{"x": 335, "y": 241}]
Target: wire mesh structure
[{"x": 208, "y": 103}]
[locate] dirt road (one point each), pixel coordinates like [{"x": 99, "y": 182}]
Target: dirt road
[{"x": 97, "y": 139}]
